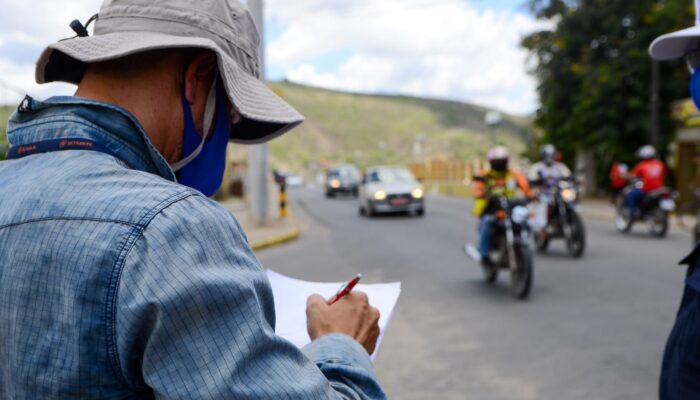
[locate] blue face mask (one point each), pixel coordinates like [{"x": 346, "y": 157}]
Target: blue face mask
[
  {"x": 695, "y": 87},
  {"x": 204, "y": 159}
]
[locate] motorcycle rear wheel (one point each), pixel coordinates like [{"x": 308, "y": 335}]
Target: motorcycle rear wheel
[
  {"x": 659, "y": 223},
  {"x": 490, "y": 273},
  {"x": 541, "y": 242}
]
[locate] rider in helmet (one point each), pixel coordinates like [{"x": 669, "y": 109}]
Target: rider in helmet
[
  {"x": 548, "y": 171},
  {"x": 650, "y": 171},
  {"x": 498, "y": 180}
]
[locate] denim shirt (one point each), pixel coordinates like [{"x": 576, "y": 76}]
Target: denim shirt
[
  {"x": 680, "y": 369},
  {"x": 117, "y": 282}
]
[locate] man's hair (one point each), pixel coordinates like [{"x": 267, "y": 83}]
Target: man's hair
[{"x": 135, "y": 64}]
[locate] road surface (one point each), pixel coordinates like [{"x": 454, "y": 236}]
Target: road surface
[{"x": 592, "y": 329}]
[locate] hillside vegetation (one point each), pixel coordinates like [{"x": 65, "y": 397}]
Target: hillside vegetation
[{"x": 352, "y": 127}]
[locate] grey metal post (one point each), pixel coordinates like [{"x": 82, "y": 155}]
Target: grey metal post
[
  {"x": 654, "y": 104},
  {"x": 258, "y": 170}
]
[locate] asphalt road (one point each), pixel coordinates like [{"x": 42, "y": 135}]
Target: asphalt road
[{"x": 592, "y": 329}]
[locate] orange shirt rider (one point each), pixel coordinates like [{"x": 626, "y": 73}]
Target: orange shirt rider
[{"x": 495, "y": 183}]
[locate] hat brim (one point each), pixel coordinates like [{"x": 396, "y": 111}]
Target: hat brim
[
  {"x": 265, "y": 115},
  {"x": 676, "y": 44}
]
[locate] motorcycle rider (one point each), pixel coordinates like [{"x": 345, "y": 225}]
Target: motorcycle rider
[
  {"x": 548, "y": 171},
  {"x": 650, "y": 171},
  {"x": 545, "y": 174},
  {"x": 498, "y": 180}
]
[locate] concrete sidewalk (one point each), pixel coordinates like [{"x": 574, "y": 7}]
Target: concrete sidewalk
[{"x": 275, "y": 232}]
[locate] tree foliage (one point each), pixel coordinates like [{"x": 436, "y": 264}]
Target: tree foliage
[{"x": 594, "y": 74}]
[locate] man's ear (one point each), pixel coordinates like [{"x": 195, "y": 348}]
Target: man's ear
[{"x": 199, "y": 76}]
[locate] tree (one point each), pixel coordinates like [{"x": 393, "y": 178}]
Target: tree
[{"x": 594, "y": 74}]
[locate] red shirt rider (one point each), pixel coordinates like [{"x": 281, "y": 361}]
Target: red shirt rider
[{"x": 652, "y": 172}]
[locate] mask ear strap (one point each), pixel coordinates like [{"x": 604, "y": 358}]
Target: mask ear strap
[{"x": 209, "y": 110}]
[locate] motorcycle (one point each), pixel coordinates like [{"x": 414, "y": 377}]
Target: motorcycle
[
  {"x": 563, "y": 219},
  {"x": 654, "y": 209},
  {"x": 510, "y": 245}
]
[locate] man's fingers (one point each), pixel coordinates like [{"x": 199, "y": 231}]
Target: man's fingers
[
  {"x": 358, "y": 296},
  {"x": 374, "y": 315},
  {"x": 316, "y": 299}
]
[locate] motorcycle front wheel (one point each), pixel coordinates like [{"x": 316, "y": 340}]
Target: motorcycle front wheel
[
  {"x": 623, "y": 219},
  {"x": 521, "y": 276},
  {"x": 576, "y": 243}
]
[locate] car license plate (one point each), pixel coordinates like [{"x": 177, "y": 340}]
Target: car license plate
[
  {"x": 399, "y": 201},
  {"x": 667, "y": 205}
]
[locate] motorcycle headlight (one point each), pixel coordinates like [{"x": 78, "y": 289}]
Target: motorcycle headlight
[
  {"x": 519, "y": 214},
  {"x": 417, "y": 193},
  {"x": 379, "y": 195},
  {"x": 335, "y": 184},
  {"x": 568, "y": 195}
]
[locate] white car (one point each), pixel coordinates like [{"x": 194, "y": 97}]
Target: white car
[{"x": 389, "y": 190}]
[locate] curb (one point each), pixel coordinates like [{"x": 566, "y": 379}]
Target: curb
[
  {"x": 276, "y": 241},
  {"x": 289, "y": 236}
]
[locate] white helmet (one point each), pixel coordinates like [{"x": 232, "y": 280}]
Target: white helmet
[
  {"x": 498, "y": 153},
  {"x": 646, "y": 152}
]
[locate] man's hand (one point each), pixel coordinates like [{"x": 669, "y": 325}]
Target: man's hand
[{"x": 351, "y": 315}]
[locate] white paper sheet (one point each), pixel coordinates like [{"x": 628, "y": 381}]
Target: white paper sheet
[{"x": 290, "y": 304}]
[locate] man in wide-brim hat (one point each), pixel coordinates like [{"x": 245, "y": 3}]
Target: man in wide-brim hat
[
  {"x": 119, "y": 278},
  {"x": 680, "y": 372}
]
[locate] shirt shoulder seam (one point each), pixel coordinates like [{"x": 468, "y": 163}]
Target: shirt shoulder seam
[{"x": 43, "y": 219}]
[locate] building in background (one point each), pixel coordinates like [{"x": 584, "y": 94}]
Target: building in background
[{"x": 686, "y": 155}]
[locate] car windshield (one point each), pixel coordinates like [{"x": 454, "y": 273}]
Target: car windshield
[
  {"x": 392, "y": 175},
  {"x": 345, "y": 173}
]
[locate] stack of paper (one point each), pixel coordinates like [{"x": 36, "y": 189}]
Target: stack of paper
[{"x": 290, "y": 304}]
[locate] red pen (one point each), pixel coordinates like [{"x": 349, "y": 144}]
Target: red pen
[{"x": 344, "y": 289}]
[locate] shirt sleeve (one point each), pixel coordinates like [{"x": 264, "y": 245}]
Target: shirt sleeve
[{"x": 195, "y": 319}]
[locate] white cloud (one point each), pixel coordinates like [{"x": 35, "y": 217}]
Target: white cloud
[
  {"x": 438, "y": 48},
  {"x": 25, "y": 28}
]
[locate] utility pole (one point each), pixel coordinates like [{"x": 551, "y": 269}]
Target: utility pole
[
  {"x": 258, "y": 169},
  {"x": 493, "y": 119},
  {"x": 654, "y": 104}
]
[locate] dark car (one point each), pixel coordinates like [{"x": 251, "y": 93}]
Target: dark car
[{"x": 344, "y": 178}]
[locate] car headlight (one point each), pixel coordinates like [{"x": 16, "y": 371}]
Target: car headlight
[
  {"x": 335, "y": 184},
  {"x": 519, "y": 214},
  {"x": 417, "y": 193},
  {"x": 379, "y": 195},
  {"x": 568, "y": 195}
]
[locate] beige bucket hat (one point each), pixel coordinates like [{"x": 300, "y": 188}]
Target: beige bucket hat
[
  {"x": 677, "y": 44},
  {"x": 125, "y": 27}
]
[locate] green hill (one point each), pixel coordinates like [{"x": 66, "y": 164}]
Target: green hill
[{"x": 352, "y": 127}]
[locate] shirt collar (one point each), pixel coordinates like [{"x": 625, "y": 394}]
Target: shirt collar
[{"x": 76, "y": 117}]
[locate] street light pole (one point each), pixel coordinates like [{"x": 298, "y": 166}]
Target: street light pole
[
  {"x": 492, "y": 119},
  {"x": 258, "y": 169}
]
